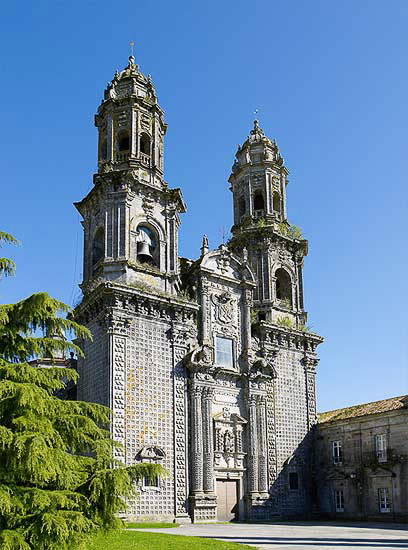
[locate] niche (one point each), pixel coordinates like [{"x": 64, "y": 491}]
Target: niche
[{"x": 283, "y": 286}]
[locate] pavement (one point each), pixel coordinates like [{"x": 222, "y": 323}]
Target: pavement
[{"x": 302, "y": 535}]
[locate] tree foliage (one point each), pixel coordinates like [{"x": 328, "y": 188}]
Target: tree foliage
[{"x": 58, "y": 479}]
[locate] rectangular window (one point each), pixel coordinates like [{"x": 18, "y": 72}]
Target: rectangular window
[
  {"x": 339, "y": 500},
  {"x": 380, "y": 443},
  {"x": 224, "y": 352},
  {"x": 384, "y": 500},
  {"x": 151, "y": 482},
  {"x": 337, "y": 452},
  {"x": 293, "y": 481}
]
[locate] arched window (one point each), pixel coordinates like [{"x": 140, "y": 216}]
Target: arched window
[
  {"x": 242, "y": 206},
  {"x": 259, "y": 203},
  {"x": 147, "y": 250},
  {"x": 145, "y": 144},
  {"x": 276, "y": 202},
  {"x": 98, "y": 246},
  {"x": 283, "y": 286},
  {"x": 123, "y": 140}
]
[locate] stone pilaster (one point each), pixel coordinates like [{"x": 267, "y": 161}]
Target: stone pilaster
[
  {"x": 117, "y": 333},
  {"x": 253, "y": 447},
  {"x": 310, "y": 364},
  {"x": 180, "y": 434},
  {"x": 197, "y": 441},
  {"x": 262, "y": 457},
  {"x": 208, "y": 445}
]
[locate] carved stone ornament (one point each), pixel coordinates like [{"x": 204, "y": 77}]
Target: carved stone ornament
[
  {"x": 228, "y": 449},
  {"x": 224, "y": 308},
  {"x": 148, "y": 205},
  {"x": 205, "y": 355},
  {"x": 223, "y": 260},
  {"x": 200, "y": 358},
  {"x": 182, "y": 336},
  {"x": 150, "y": 453},
  {"x": 263, "y": 365}
]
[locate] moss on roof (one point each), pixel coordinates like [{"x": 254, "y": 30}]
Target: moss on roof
[{"x": 364, "y": 409}]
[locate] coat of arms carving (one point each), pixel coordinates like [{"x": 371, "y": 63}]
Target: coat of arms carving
[{"x": 224, "y": 307}]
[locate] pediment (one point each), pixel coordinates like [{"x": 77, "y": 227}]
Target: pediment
[{"x": 222, "y": 263}]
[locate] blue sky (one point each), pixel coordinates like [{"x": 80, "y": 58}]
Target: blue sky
[{"x": 330, "y": 82}]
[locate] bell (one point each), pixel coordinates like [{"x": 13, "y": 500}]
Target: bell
[{"x": 143, "y": 252}]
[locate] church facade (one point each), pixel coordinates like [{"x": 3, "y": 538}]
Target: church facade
[{"x": 207, "y": 363}]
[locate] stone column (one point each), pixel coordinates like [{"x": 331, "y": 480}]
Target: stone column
[
  {"x": 197, "y": 441},
  {"x": 253, "y": 446},
  {"x": 262, "y": 456},
  {"x": 208, "y": 446}
]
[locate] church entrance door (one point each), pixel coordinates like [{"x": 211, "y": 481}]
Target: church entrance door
[{"x": 227, "y": 499}]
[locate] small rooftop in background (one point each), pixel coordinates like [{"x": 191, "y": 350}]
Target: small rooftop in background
[{"x": 385, "y": 405}]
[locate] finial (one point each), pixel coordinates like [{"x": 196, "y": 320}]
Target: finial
[
  {"x": 131, "y": 47},
  {"x": 204, "y": 246}
]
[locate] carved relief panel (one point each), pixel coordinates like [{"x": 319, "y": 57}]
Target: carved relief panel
[{"x": 228, "y": 435}]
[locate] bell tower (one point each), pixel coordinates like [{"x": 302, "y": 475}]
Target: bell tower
[
  {"x": 142, "y": 324},
  {"x": 261, "y": 229},
  {"x": 131, "y": 216}
]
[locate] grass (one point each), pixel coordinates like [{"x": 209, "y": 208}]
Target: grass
[
  {"x": 133, "y": 540},
  {"x": 146, "y": 525}
]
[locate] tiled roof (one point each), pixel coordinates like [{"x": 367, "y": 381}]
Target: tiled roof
[{"x": 364, "y": 409}]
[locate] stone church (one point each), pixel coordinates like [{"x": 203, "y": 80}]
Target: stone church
[{"x": 207, "y": 363}]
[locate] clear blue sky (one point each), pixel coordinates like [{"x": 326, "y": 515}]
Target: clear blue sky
[{"x": 330, "y": 81}]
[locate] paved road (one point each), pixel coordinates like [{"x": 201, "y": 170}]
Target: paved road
[{"x": 304, "y": 535}]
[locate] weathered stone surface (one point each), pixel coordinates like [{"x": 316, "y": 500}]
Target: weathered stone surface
[
  {"x": 366, "y": 472},
  {"x": 208, "y": 369}
]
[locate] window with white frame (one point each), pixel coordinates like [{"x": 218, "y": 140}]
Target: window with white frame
[
  {"x": 339, "y": 500},
  {"x": 380, "y": 444},
  {"x": 337, "y": 452},
  {"x": 151, "y": 481},
  {"x": 384, "y": 500},
  {"x": 224, "y": 352}
]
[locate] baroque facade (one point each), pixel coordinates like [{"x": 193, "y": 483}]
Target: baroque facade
[
  {"x": 362, "y": 461},
  {"x": 207, "y": 364}
]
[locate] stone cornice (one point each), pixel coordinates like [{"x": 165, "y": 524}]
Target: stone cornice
[
  {"x": 127, "y": 181},
  {"x": 289, "y": 337},
  {"x": 123, "y": 297}
]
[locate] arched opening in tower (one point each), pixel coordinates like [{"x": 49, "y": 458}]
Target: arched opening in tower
[
  {"x": 145, "y": 144},
  {"x": 146, "y": 245},
  {"x": 283, "y": 287},
  {"x": 259, "y": 203},
  {"x": 123, "y": 141}
]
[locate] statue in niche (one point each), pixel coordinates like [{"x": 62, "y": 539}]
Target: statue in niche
[{"x": 229, "y": 445}]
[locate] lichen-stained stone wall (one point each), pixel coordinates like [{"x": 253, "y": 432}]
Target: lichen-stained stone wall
[
  {"x": 149, "y": 408},
  {"x": 93, "y": 373},
  {"x": 291, "y": 425}
]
